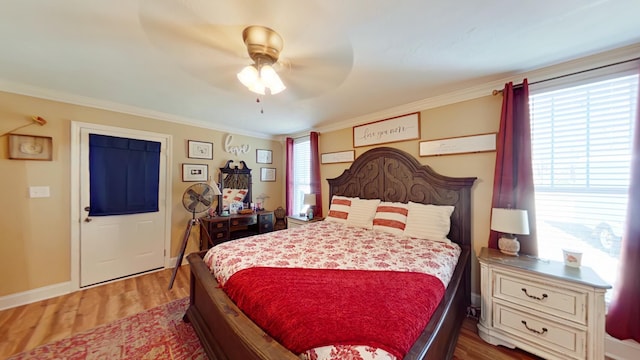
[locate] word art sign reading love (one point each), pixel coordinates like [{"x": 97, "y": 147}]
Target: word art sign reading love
[
  {"x": 400, "y": 128},
  {"x": 235, "y": 149}
]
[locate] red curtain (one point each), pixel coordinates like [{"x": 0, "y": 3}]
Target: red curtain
[
  {"x": 513, "y": 177},
  {"x": 623, "y": 319},
  {"x": 289, "y": 177},
  {"x": 316, "y": 185}
]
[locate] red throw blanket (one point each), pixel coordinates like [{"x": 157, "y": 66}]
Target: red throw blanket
[{"x": 308, "y": 308}]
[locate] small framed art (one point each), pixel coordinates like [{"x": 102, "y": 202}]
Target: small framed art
[
  {"x": 30, "y": 147},
  {"x": 267, "y": 174},
  {"x": 264, "y": 156},
  {"x": 200, "y": 150},
  {"x": 338, "y": 157},
  {"x": 195, "y": 172}
]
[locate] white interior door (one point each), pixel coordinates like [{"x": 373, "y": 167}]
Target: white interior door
[{"x": 120, "y": 245}]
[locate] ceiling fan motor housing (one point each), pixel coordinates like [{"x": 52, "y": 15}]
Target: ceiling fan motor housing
[{"x": 263, "y": 44}]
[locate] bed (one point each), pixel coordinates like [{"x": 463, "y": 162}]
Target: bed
[{"x": 389, "y": 175}]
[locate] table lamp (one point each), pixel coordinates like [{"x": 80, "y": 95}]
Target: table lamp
[
  {"x": 509, "y": 222},
  {"x": 310, "y": 201}
]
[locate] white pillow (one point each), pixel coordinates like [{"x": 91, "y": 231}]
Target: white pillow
[
  {"x": 391, "y": 217},
  {"x": 362, "y": 213},
  {"x": 431, "y": 222},
  {"x": 339, "y": 208}
]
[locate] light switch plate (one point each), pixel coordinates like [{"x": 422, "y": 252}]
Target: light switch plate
[{"x": 39, "y": 191}]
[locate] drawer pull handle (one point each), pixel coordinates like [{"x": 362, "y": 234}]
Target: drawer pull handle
[
  {"x": 544, "y": 296},
  {"x": 544, "y": 329}
]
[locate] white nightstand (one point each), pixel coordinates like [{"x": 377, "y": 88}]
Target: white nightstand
[
  {"x": 295, "y": 221},
  {"x": 541, "y": 306}
]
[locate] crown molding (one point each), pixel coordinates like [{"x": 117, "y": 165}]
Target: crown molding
[
  {"x": 74, "y": 99},
  {"x": 476, "y": 91}
]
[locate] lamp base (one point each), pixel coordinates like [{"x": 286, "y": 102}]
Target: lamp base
[{"x": 509, "y": 246}]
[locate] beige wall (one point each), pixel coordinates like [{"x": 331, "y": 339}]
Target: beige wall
[
  {"x": 478, "y": 116},
  {"x": 35, "y": 233}
]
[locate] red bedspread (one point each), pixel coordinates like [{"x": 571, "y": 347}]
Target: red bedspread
[{"x": 308, "y": 308}]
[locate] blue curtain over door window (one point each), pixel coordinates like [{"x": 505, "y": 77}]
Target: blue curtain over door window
[{"x": 124, "y": 175}]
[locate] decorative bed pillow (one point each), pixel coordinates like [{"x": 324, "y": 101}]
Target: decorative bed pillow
[
  {"x": 391, "y": 217},
  {"x": 431, "y": 222},
  {"x": 230, "y": 196},
  {"x": 362, "y": 213},
  {"x": 339, "y": 208}
]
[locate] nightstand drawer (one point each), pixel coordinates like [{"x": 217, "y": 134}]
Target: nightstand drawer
[
  {"x": 540, "y": 296},
  {"x": 563, "y": 339},
  {"x": 265, "y": 222}
]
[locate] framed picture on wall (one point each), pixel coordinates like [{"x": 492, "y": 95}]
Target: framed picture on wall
[
  {"x": 200, "y": 150},
  {"x": 264, "y": 156},
  {"x": 30, "y": 147},
  {"x": 267, "y": 174},
  {"x": 195, "y": 172},
  {"x": 399, "y": 128}
]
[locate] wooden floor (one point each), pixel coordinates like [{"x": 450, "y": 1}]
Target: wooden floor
[{"x": 25, "y": 327}]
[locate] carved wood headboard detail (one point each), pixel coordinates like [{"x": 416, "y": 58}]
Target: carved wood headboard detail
[{"x": 391, "y": 174}]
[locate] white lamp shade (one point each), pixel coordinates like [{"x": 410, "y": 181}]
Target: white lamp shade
[
  {"x": 271, "y": 79},
  {"x": 510, "y": 221},
  {"x": 310, "y": 199},
  {"x": 216, "y": 189},
  {"x": 248, "y": 76}
]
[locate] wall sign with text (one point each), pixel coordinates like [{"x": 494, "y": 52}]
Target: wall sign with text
[{"x": 399, "y": 128}]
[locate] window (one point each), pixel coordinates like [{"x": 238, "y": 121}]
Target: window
[
  {"x": 581, "y": 138},
  {"x": 301, "y": 172}
]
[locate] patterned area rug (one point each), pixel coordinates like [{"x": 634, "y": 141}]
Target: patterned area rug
[{"x": 158, "y": 333}]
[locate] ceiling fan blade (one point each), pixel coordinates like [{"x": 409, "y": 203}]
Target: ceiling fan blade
[{"x": 204, "y": 38}]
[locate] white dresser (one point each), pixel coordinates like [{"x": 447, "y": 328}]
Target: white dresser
[{"x": 541, "y": 306}]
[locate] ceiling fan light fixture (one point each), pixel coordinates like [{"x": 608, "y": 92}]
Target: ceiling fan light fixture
[
  {"x": 263, "y": 45},
  {"x": 271, "y": 79},
  {"x": 248, "y": 75}
]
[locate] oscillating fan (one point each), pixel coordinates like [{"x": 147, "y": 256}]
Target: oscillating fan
[{"x": 196, "y": 199}]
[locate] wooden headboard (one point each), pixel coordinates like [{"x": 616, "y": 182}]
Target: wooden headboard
[{"x": 390, "y": 174}]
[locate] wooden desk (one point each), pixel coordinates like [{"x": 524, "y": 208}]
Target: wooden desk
[{"x": 225, "y": 228}]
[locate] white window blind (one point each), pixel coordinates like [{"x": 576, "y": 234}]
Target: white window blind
[
  {"x": 301, "y": 172},
  {"x": 581, "y": 138}
]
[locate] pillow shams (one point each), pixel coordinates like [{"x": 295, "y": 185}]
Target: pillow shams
[
  {"x": 339, "y": 208},
  {"x": 362, "y": 213},
  {"x": 431, "y": 222},
  {"x": 391, "y": 217}
]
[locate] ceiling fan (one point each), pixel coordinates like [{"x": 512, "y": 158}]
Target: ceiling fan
[
  {"x": 215, "y": 41},
  {"x": 264, "y": 46}
]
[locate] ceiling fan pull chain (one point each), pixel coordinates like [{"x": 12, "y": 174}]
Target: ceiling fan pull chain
[{"x": 261, "y": 107}]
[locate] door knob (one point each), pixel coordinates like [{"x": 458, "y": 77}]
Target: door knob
[{"x": 88, "y": 219}]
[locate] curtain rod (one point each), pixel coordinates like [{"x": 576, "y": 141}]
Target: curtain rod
[{"x": 496, "y": 92}]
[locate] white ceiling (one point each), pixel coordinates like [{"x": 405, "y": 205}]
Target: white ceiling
[{"x": 177, "y": 59}]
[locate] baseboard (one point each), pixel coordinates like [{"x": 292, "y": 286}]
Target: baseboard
[
  {"x": 27, "y": 297},
  {"x": 50, "y": 291},
  {"x": 621, "y": 349}
]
